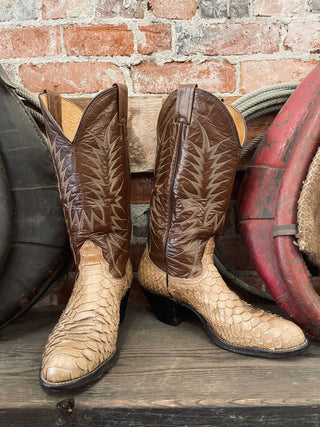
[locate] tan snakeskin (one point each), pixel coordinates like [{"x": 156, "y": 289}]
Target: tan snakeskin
[
  {"x": 86, "y": 335},
  {"x": 152, "y": 277},
  {"x": 233, "y": 320}
]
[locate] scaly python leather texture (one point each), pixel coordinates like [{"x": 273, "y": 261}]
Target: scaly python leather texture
[
  {"x": 86, "y": 334},
  {"x": 233, "y": 320},
  {"x": 197, "y": 157},
  {"x": 93, "y": 175}
]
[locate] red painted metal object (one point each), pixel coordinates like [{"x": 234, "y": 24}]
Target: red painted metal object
[{"x": 268, "y": 200}]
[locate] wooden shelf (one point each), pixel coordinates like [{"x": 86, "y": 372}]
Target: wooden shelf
[{"x": 165, "y": 376}]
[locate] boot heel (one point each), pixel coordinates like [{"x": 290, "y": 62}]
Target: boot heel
[
  {"x": 165, "y": 309},
  {"x": 123, "y": 306}
]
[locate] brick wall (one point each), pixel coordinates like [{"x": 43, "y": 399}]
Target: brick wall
[{"x": 228, "y": 46}]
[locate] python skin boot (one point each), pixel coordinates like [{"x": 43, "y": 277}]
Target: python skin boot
[
  {"x": 197, "y": 157},
  {"x": 89, "y": 151}
]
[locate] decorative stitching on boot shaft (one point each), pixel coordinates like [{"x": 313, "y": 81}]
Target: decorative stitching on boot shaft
[
  {"x": 93, "y": 180},
  {"x": 194, "y": 175}
]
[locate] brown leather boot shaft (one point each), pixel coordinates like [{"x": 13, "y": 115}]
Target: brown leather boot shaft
[
  {"x": 197, "y": 157},
  {"x": 93, "y": 174}
]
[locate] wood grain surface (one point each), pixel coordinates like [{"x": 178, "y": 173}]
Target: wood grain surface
[{"x": 164, "y": 376}]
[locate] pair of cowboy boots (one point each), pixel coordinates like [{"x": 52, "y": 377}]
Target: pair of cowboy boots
[{"x": 197, "y": 156}]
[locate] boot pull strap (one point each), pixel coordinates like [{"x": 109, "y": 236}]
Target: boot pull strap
[
  {"x": 122, "y": 102},
  {"x": 54, "y": 106},
  {"x": 185, "y": 100}
]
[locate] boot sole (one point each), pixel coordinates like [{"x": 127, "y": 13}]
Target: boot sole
[
  {"x": 96, "y": 374},
  {"x": 172, "y": 312}
]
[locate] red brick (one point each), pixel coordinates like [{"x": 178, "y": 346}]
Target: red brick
[
  {"x": 278, "y": 7},
  {"x": 303, "y": 37},
  {"x": 173, "y": 9},
  {"x": 157, "y": 36},
  {"x": 226, "y": 39},
  {"x": 257, "y": 74},
  {"x": 70, "y": 77},
  {"x": 214, "y": 76},
  {"x": 101, "y": 40},
  {"x": 29, "y": 42},
  {"x": 113, "y": 8},
  {"x": 54, "y": 9}
]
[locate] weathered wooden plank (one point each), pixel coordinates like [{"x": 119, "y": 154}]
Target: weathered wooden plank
[
  {"x": 275, "y": 416},
  {"x": 164, "y": 375}
]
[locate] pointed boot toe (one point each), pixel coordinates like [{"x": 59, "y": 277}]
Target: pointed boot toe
[
  {"x": 69, "y": 371},
  {"x": 63, "y": 367},
  {"x": 286, "y": 336},
  {"x": 55, "y": 375}
]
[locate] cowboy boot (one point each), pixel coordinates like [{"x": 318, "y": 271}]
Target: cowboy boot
[
  {"x": 197, "y": 157},
  {"x": 89, "y": 151}
]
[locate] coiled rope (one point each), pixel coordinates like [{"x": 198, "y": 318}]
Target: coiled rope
[{"x": 31, "y": 102}]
